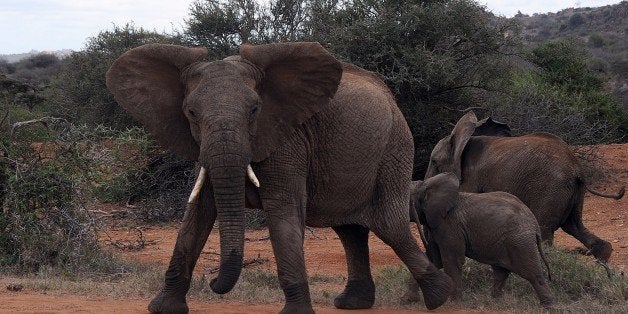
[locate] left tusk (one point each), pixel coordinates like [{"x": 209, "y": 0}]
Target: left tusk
[
  {"x": 197, "y": 186},
  {"x": 252, "y": 176}
]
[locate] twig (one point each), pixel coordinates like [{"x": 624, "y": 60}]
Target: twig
[
  {"x": 311, "y": 230},
  {"x": 6, "y": 115},
  {"x": 44, "y": 121},
  {"x": 264, "y": 238}
]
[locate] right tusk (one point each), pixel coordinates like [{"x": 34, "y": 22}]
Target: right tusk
[
  {"x": 197, "y": 186},
  {"x": 252, "y": 176}
]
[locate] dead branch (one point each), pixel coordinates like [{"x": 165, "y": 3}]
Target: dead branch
[
  {"x": 44, "y": 121},
  {"x": 6, "y": 115},
  {"x": 264, "y": 238},
  {"x": 313, "y": 232},
  {"x": 466, "y": 109}
]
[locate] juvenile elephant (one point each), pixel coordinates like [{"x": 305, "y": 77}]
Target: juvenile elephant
[
  {"x": 322, "y": 141},
  {"x": 539, "y": 169},
  {"x": 494, "y": 228}
]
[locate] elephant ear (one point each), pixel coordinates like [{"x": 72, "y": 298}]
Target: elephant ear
[
  {"x": 299, "y": 80},
  {"x": 415, "y": 212},
  {"x": 145, "y": 81},
  {"x": 490, "y": 127},
  {"x": 439, "y": 197},
  {"x": 458, "y": 139}
]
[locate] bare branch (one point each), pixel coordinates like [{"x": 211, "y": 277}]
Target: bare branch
[{"x": 44, "y": 121}]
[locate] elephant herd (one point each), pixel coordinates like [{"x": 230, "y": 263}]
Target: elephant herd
[{"x": 314, "y": 141}]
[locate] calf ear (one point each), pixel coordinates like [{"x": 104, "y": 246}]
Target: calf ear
[
  {"x": 490, "y": 127},
  {"x": 458, "y": 139},
  {"x": 440, "y": 196}
]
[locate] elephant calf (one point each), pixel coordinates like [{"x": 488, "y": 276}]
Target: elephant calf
[{"x": 494, "y": 228}]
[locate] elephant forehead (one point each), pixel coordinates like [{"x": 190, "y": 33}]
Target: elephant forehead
[{"x": 220, "y": 82}]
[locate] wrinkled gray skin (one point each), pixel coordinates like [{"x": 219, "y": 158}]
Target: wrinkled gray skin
[
  {"x": 326, "y": 140},
  {"x": 539, "y": 168},
  {"x": 494, "y": 228}
]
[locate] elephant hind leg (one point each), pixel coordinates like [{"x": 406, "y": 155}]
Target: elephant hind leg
[
  {"x": 435, "y": 285},
  {"x": 542, "y": 289},
  {"x": 359, "y": 293},
  {"x": 573, "y": 225},
  {"x": 500, "y": 275}
]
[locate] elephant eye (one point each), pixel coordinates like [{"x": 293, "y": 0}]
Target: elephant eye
[
  {"x": 254, "y": 110},
  {"x": 192, "y": 113}
]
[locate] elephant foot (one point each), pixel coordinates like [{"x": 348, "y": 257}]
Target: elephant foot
[
  {"x": 297, "y": 299},
  {"x": 358, "y": 294},
  {"x": 292, "y": 308},
  {"x": 601, "y": 250},
  {"x": 495, "y": 293},
  {"x": 164, "y": 303},
  {"x": 412, "y": 294},
  {"x": 436, "y": 287},
  {"x": 547, "y": 303}
]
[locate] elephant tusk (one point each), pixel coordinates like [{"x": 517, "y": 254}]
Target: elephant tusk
[
  {"x": 197, "y": 186},
  {"x": 252, "y": 176}
]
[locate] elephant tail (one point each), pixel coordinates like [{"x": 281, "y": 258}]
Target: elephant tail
[
  {"x": 617, "y": 196},
  {"x": 538, "y": 245}
]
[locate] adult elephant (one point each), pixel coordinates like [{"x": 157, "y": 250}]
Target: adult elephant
[
  {"x": 328, "y": 144},
  {"x": 539, "y": 168}
]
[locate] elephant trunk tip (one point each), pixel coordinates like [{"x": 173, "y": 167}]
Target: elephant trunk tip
[{"x": 229, "y": 274}]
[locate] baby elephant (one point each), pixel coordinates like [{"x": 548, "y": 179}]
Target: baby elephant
[{"x": 494, "y": 228}]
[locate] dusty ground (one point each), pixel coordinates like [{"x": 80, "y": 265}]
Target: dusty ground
[{"x": 323, "y": 252}]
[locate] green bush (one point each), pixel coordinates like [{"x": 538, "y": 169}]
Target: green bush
[{"x": 43, "y": 218}]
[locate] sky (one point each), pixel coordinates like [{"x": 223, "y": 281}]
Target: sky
[{"x": 45, "y": 25}]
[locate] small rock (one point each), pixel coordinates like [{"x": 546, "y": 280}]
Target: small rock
[{"x": 15, "y": 287}]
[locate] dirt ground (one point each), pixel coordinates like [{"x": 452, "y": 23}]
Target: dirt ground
[{"x": 324, "y": 254}]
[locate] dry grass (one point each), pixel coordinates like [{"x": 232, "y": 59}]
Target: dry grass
[{"x": 578, "y": 284}]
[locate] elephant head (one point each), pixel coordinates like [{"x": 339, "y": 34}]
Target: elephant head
[
  {"x": 447, "y": 154},
  {"x": 434, "y": 198},
  {"x": 225, "y": 114}
]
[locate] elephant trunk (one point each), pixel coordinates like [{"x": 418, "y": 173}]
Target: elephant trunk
[{"x": 227, "y": 173}]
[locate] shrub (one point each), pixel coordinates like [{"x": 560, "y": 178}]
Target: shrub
[{"x": 43, "y": 218}]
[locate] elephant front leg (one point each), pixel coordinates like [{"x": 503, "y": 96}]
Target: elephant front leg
[
  {"x": 197, "y": 224},
  {"x": 359, "y": 292},
  {"x": 286, "y": 233},
  {"x": 453, "y": 260}
]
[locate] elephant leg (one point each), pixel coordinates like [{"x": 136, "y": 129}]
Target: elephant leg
[
  {"x": 198, "y": 221},
  {"x": 547, "y": 235},
  {"x": 434, "y": 284},
  {"x": 453, "y": 260},
  {"x": 542, "y": 289},
  {"x": 287, "y": 233},
  {"x": 601, "y": 249},
  {"x": 500, "y": 275},
  {"x": 359, "y": 293},
  {"x": 283, "y": 195}
]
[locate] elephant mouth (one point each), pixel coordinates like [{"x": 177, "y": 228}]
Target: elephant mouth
[{"x": 202, "y": 175}]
